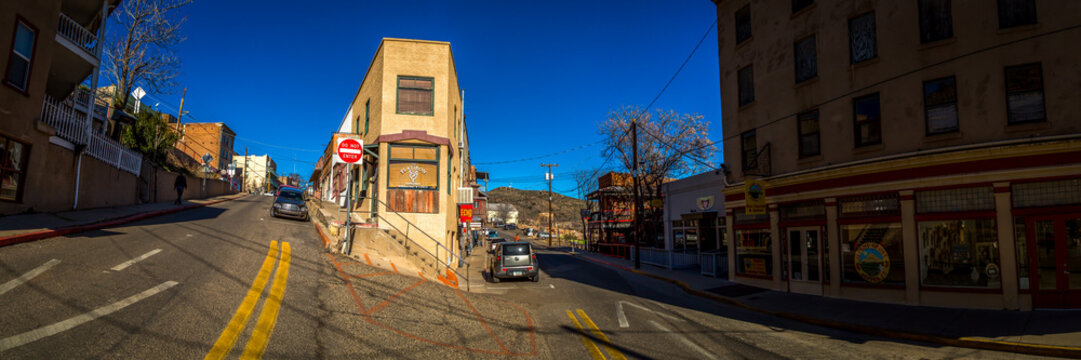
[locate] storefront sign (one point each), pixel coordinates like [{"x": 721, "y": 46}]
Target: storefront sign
[
  {"x": 754, "y": 266},
  {"x": 755, "y": 196},
  {"x": 705, "y": 202},
  {"x": 413, "y": 175},
  {"x": 465, "y": 213},
  {"x": 872, "y": 262}
]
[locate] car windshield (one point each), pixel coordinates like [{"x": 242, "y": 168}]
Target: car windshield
[
  {"x": 516, "y": 249},
  {"x": 290, "y": 195}
]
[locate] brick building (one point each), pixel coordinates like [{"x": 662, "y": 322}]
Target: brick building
[{"x": 215, "y": 139}]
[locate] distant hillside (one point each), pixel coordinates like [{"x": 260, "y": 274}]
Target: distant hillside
[{"x": 531, "y": 203}]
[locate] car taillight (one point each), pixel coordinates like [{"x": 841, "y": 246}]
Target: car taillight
[
  {"x": 504, "y": 269},
  {"x": 529, "y": 268},
  {"x": 534, "y": 256},
  {"x": 498, "y": 258}
]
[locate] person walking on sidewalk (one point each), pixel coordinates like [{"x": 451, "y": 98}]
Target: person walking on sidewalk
[{"x": 180, "y": 183}]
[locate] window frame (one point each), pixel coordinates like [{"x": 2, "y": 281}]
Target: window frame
[
  {"x": 11, "y": 52},
  {"x": 750, "y": 30},
  {"x": 743, "y": 149},
  {"x": 392, "y": 160},
  {"x": 800, "y": 135},
  {"x": 928, "y": 38},
  {"x": 813, "y": 57},
  {"x": 739, "y": 86},
  {"x": 874, "y": 38},
  {"x": 398, "y": 95},
  {"x": 856, "y": 122},
  {"x": 1035, "y": 15},
  {"x": 927, "y": 108},
  {"x": 367, "y": 115},
  {"x": 1006, "y": 91},
  {"x": 4, "y": 169}
]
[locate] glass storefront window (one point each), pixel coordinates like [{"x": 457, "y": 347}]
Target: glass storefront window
[
  {"x": 872, "y": 254},
  {"x": 959, "y": 253},
  {"x": 754, "y": 253},
  {"x": 1021, "y": 243}
]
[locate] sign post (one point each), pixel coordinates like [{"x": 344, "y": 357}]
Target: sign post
[{"x": 348, "y": 150}]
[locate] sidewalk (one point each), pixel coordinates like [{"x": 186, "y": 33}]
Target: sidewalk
[
  {"x": 16, "y": 229},
  {"x": 1041, "y": 332}
]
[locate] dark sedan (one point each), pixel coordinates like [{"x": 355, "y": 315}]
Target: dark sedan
[{"x": 290, "y": 203}]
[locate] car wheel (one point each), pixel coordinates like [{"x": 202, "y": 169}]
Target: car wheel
[
  {"x": 494, "y": 278},
  {"x": 536, "y": 278}
]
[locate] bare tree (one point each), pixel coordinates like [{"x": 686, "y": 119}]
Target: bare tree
[
  {"x": 670, "y": 145},
  {"x": 140, "y": 51}
]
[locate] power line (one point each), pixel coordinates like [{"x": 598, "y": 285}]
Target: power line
[{"x": 540, "y": 156}]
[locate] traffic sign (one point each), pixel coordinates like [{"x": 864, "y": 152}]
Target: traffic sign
[{"x": 349, "y": 150}]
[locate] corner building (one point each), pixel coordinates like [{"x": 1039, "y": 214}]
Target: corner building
[{"x": 915, "y": 152}]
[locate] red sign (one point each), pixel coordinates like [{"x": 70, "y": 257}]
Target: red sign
[
  {"x": 465, "y": 213},
  {"x": 349, "y": 151}
]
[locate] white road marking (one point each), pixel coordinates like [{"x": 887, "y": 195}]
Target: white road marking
[
  {"x": 27, "y": 276},
  {"x": 623, "y": 317},
  {"x": 131, "y": 262},
  {"x": 685, "y": 341},
  {"x": 552, "y": 286},
  {"x": 44, "y": 332}
]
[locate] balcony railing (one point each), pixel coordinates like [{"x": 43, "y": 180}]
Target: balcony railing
[
  {"x": 70, "y": 124},
  {"x": 111, "y": 152},
  {"x": 81, "y": 99},
  {"x": 77, "y": 34}
]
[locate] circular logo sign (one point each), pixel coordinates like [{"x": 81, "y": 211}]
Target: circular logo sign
[
  {"x": 349, "y": 151},
  {"x": 756, "y": 192},
  {"x": 872, "y": 262}
]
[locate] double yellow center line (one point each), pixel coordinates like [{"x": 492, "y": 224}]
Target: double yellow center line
[
  {"x": 264, "y": 326},
  {"x": 590, "y": 345}
]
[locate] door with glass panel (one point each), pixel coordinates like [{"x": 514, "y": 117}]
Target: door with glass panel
[
  {"x": 803, "y": 263},
  {"x": 1055, "y": 260}
]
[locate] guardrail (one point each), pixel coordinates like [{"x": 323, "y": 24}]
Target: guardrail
[
  {"x": 69, "y": 124},
  {"x": 111, "y": 152},
  {"x": 72, "y": 31}
]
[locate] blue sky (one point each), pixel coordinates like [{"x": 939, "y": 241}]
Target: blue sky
[{"x": 538, "y": 76}]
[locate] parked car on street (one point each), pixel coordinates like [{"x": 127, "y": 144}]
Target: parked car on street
[
  {"x": 514, "y": 260},
  {"x": 493, "y": 243},
  {"x": 530, "y": 232},
  {"x": 510, "y": 227},
  {"x": 289, "y": 203}
]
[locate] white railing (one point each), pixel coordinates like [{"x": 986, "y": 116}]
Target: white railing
[
  {"x": 82, "y": 98},
  {"x": 112, "y": 153},
  {"x": 69, "y": 124},
  {"x": 72, "y": 31}
]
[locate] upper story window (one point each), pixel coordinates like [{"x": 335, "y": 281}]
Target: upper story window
[
  {"x": 808, "y": 134},
  {"x": 1024, "y": 94},
  {"x": 22, "y": 54},
  {"x": 743, "y": 23},
  {"x": 798, "y": 5},
  {"x": 867, "y": 116},
  {"x": 806, "y": 59},
  {"x": 936, "y": 20},
  {"x": 1016, "y": 13},
  {"x": 367, "y": 115},
  {"x": 862, "y": 39},
  {"x": 746, "y": 85},
  {"x": 940, "y": 105},
  {"x": 415, "y": 95},
  {"x": 749, "y": 149}
]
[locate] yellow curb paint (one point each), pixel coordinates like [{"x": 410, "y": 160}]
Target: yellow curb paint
[
  {"x": 590, "y": 346},
  {"x": 612, "y": 352},
  {"x": 239, "y": 321},
  {"x": 264, "y": 327}
]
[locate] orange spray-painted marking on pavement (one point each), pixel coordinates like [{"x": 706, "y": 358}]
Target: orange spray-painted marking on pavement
[
  {"x": 395, "y": 296},
  {"x": 369, "y": 260}
]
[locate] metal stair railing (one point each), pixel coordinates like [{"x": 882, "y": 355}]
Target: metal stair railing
[{"x": 438, "y": 244}]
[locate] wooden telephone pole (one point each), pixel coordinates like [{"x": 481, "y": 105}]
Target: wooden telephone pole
[
  {"x": 634, "y": 176},
  {"x": 551, "y": 216}
]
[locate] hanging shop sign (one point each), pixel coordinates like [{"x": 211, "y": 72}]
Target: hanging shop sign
[
  {"x": 705, "y": 203},
  {"x": 755, "y": 197},
  {"x": 872, "y": 262},
  {"x": 465, "y": 213}
]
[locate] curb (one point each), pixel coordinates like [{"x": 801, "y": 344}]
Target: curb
[
  {"x": 45, "y": 234},
  {"x": 966, "y": 342}
]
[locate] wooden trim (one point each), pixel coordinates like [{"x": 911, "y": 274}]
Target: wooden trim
[
  {"x": 1049, "y": 210},
  {"x": 947, "y": 289},
  {"x": 961, "y": 215},
  {"x": 802, "y": 223},
  {"x": 870, "y": 220},
  {"x": 870, "y": 286}
]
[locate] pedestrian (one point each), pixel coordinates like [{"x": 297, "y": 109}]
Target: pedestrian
[
  {"x": 180, "y": 183},
  {"x": 515, "y": 237}
]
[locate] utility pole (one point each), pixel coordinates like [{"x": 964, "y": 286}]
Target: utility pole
[
  {"x": 180, "y": 115},
  {"x": 551, "y": 216},
  {"x": 634, "y": 177},
  {"x": 244, "y": 173}
]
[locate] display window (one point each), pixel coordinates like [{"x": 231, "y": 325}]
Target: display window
[
  {"x": 872, "y": 254},
  {"x": 959, "y": 253},
  {"x": 754, "y": 253}
]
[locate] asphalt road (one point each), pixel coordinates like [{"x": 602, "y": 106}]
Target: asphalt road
[{"x": 217, "y": 282}]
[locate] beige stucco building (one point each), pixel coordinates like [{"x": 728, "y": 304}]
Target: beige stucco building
[
  {"x": 408, "y": 112},
  {"x": 909, "y": 151}
]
